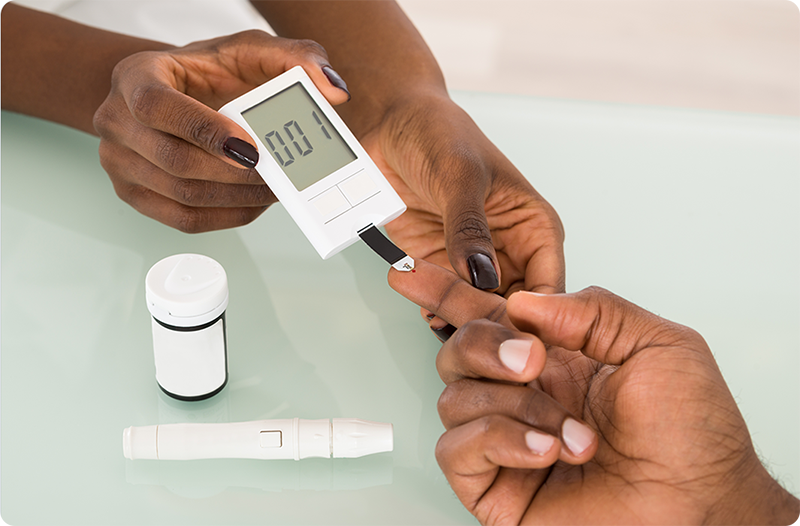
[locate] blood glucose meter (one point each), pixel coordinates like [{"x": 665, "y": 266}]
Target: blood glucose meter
[{"x": 315, "y": 166}]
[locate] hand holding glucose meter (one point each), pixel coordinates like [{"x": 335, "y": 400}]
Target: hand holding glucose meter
[{"x": 316, "y": 167}]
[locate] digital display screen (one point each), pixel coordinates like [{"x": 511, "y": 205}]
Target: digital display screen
[{"x": 299, "y": 136}]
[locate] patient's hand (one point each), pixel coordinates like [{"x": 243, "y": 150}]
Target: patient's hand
[{"x": 673, "y": 447}]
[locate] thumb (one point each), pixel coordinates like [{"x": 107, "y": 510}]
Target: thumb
[
  {"x": 469, "y": 241},
  {"x": 604, "y": 326},
  {"x": 153, "y": 102}
]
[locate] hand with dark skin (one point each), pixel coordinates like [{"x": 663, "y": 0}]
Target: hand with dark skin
[
  {"x": 169, "y": 155},
  {"x": 168, "y": 152},
  {"x": 159, "y": 124},
  {"x": 671, "y": 446},
  {"x": 469, "y": 208}
]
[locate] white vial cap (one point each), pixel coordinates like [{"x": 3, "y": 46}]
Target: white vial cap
[
  {"x": 186, "y": 290},
  {"x": 355, "y": 438}
]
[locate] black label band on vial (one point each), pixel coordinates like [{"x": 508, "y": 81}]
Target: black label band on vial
[
  {"x": 193, "y": 328},
  {"x": 208, "y": 395}
]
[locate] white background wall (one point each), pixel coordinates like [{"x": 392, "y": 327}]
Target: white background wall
[{"x": 739, "y": 55}]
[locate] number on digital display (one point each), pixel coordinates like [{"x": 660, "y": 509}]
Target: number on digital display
[
  {"x": 277, "y": 135},
  {"x": 288, "y": 129},
  {"x": 322, "y": 126},
  {"x": 295, "y": 137}
]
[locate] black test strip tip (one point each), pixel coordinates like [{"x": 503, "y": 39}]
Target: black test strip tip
[{"x": 379, "y": 243}]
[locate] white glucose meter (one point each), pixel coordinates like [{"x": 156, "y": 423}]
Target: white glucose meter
[{"x": 314, "y": 164}]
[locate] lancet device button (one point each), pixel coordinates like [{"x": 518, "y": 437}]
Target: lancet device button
[{"x": 270, "y": 439}]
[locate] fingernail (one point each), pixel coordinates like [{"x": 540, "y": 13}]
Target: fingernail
[
  {"x": 482, "y": 272},
  {"x": 514, "y": 354},
  {"x": 444, "y": 333},
  {"x": 539, "y": 443},
  {"x": 577, "y": 436},
  {"x": 336, "y": 80},
  {"x": 240, "y": 151}
]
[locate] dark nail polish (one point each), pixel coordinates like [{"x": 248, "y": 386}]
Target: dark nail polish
[
  {"x": 240, "y": 151},
  {"x": 482, "y": 272},
  {"x": 444, "y": 333},
  {"x": 336, "y": 80}
]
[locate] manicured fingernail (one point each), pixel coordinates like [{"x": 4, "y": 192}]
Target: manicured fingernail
[
  {"x": 336, "y": 80},
  {"x": 514, "y": 354},
  {"x": 240, "y": 151},
  {"x": 482, "y": 272},
  {"x": 444, "y": 333},
  {"x": 577, "y": 436},
  {"x": 539, "y": 443}
]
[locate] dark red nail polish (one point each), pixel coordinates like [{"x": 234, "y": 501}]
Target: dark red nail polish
[
  {"x": 444, "y": 333},
  {"x": 336, "y": 80},
  {"x": 482, "y": 272},
  {"x": 240, "y": 151}
]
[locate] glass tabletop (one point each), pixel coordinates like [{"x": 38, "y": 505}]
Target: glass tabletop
[{"x": 690, "y": 214}]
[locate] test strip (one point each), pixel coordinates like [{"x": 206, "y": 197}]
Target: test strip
[{"x": 379, "y": 243}]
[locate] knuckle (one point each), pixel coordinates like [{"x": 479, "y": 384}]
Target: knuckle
[
  {"x": 192, "y": 192},
  {"x": 131, "y": 194},
  {"x": 249, "y": 214},
  {"x": 190, "y": 220},
  {"x": 173, "y": 155},
  {"x": 471, "y": 225},
  {"x": 103, "y": 120},
  {"x": 203, "y": 131},
  {"x": 530, "y": 409},
  {"x": 450, "y": 400},
  {"x": 442, "y": 450},
  {"x": 249, "y": 36},
  {"x": 446, "y": 400},
  {"x": 462, "y": 339},
  {"x": 307, "y": 47},
  {"x": 144, "y": 103},
  {"x": 106, "y": 153},
  {"x": 126, "y": 192}
]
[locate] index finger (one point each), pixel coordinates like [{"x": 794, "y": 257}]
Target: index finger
[
  {"x": 154, "y": 103},
  {"x": 447, "y": 295}
]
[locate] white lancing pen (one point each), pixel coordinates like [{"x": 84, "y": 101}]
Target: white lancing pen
[{"x": 291, "y": 438}]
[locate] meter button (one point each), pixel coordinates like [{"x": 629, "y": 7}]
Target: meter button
[
  {"x": 330, "y": 203},
  {"x": 270, "y": 439},
  {"x": 358, "y": 188}
]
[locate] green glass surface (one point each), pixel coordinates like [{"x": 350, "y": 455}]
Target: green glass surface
[{"x": 690, "y": 214}]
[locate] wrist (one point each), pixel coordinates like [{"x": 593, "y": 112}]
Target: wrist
[
  {"x": 57, "y": 69},
  {"x": 755, "y": 499}
]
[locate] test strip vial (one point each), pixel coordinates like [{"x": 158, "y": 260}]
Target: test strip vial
[{"x": 187, "y": 295}]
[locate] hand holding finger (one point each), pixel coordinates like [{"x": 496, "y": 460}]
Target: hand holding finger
[
  {"x": 472, "y": 457},
  {"x": 604, "y": 326},
  {"x": 467, "y": 400},
  {"x": 448, "y": 296},
  {"x": 483, "y": 349}
]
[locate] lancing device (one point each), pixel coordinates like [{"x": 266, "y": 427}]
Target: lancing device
[
  {"x": 262, "y": 439},
  {"x": 317, "y": 168}
]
